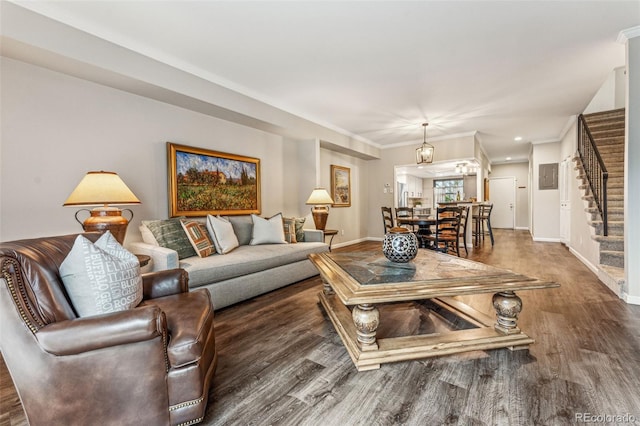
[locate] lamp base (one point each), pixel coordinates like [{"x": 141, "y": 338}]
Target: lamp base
[
  {"x": 106, "y": 219},
  {"x": 320, "y": 215}
]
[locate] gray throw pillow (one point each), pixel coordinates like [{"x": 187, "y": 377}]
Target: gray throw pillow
[
  {"x": 102, "y": 277},
  {"x": 299, "y": 230},
  {"x": 170, "y": 234},
  {"x": 242, "y": 227},
  {"x": 267, "y": 231}
]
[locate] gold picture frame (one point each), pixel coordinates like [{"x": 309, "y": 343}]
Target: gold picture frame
[
  {"x": 203, "y": 182},
  {"x": 341, "y": 186}
]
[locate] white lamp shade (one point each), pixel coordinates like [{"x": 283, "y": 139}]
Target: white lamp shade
[
  {"x": 101, "y": 188},
  {"x": 319, "y": 196}
]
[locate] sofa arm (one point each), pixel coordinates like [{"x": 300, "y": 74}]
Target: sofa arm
[
  {"x": 164, "y": 283},
  {"x": 86, "y": 334},
  {"x": 162, "y": 258},
  {"x": 313, "y": 236}
]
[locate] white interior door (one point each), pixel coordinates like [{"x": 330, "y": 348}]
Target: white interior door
[{"x": 502, "y": 193}]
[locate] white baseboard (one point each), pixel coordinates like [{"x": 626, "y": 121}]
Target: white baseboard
[
  {"x": 593, "y": 268},
  {"x": 350, "y": 242},
  {"x": 522, "y": 228},
  {"x": 632, "y": 300},
  {"x": 547, "y": 240}
]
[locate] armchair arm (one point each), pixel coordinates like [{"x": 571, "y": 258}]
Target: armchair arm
[
  {"x": 162, "y": 257},
  {"x": 313, "y": 235},
  {"x": 102, "y": 331},
  {"x": 164, "y": 283}
]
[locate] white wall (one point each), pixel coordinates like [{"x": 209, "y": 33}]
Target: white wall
[
  {"x": 521, "y": 172},
  {"x": 55, "y": 128},
  {"x": 632, "y": 171},
  {"x": 349, "y": 221},
  {"x": 545, "y": 203},
  {"x": 611, "y": 94},
  {"x": 581, "y": 244}
]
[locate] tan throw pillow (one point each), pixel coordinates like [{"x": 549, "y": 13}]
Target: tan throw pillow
[
  {"x": 102, "y": 277},
  {"x": 289, "y": 229},
  {"x": 199, "y": 238}
]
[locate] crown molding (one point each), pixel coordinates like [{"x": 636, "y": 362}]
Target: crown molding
[
  {"x": 434, "y": 139},
  {"x": 629, "y": 33}
]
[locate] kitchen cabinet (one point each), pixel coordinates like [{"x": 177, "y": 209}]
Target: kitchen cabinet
[{"x": 414, "y": 186}]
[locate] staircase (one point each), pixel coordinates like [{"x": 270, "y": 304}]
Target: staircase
[{"x": 607, "y": 129}]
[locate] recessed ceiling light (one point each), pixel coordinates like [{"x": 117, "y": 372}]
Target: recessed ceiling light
[
  {"x": 517, "y": 138},
  {"x": 508, "y": 158}
]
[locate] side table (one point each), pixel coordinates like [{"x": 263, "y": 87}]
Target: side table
[
  {"x": 144, "y": 262},
  {"x": 332, "y": 233}
]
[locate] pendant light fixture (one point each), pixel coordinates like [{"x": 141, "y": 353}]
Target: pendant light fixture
[{"x": 424, "y": 154}]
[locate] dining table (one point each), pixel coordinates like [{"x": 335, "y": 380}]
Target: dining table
[{"x": 424, "y": 224}]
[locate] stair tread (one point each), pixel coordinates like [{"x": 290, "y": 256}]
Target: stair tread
[
  {"x": 613, "y": 253},
  {"x": 613, "y": 270},
  {"x": 607, "y": 113},
  {"x": 612, "y": 238}
]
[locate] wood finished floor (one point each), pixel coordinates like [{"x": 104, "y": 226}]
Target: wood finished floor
[{"x": 282, "y": 363}]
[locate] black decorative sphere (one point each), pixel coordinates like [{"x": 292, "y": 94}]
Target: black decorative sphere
[{"x": 400, "y": 245}]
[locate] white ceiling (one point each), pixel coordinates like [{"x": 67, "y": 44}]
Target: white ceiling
[{"x": 378, "y": 69}]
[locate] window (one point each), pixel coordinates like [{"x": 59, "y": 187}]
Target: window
[{"x": 446, "y": 190}]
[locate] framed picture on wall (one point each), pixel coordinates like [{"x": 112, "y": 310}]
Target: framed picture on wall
[
  {"x": 203, "y": 182},
  {"x": 340, "y": 186}
]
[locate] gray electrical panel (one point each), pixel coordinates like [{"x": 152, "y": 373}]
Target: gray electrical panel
[{"x": 548, "y": 176}]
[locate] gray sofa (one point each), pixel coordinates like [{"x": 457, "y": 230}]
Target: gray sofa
[{"x": 245, "y": 272}]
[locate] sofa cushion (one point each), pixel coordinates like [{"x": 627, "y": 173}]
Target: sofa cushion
[
  {"x": 222, "y": 233},
  {"x": 242, "y": 227},
  {"x": 199, "y": 238},
  {"x": 246, "y": 260},
  {"x": 147, "y": 235},
  {"x": 267, "y": 231},
  {"x": 170, "y": 234},
  {"x": 189, "y": 320},
  {"x": 101, "y": 277}
]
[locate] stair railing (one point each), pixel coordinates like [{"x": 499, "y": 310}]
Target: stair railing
[{"x": 594, "y": 169}]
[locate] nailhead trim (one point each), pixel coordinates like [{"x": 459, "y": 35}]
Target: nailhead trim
[
  {"x": 14, "y": 293},
  {"x": 186, "y": 404},
  {"x": 191, "y": 422}
]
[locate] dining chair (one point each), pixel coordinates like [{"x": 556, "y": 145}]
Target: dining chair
[
  {"x": 387, "y": 218},
  {"x": 405, "y": 212},
  {"x": 464, "y": 219},
  {"x": 446, "y": 234}
]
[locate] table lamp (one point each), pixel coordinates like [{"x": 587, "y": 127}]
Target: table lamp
[
  {"x": 103, "y": 189},
  {"x": 320, "y": 199}
]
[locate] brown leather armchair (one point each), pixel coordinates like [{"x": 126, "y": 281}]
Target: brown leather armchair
[{"x": 149, "y": 365}]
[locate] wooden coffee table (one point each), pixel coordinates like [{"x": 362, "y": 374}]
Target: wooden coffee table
[{"x": 355, "y": 282}]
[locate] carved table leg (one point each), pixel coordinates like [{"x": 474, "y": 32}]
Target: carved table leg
[
  {"x": 327, "y": 289},
  {"x": 366, "y": 318},
  {"x": 508, "y": 305}
]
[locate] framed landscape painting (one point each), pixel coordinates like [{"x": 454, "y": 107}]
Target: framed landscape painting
[
  {"x": 340, "y": 186},
  {"x": 203, "y": 182}
]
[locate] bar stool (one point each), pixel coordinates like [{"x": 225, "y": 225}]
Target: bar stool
[{"x": 482, "y": 222}]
